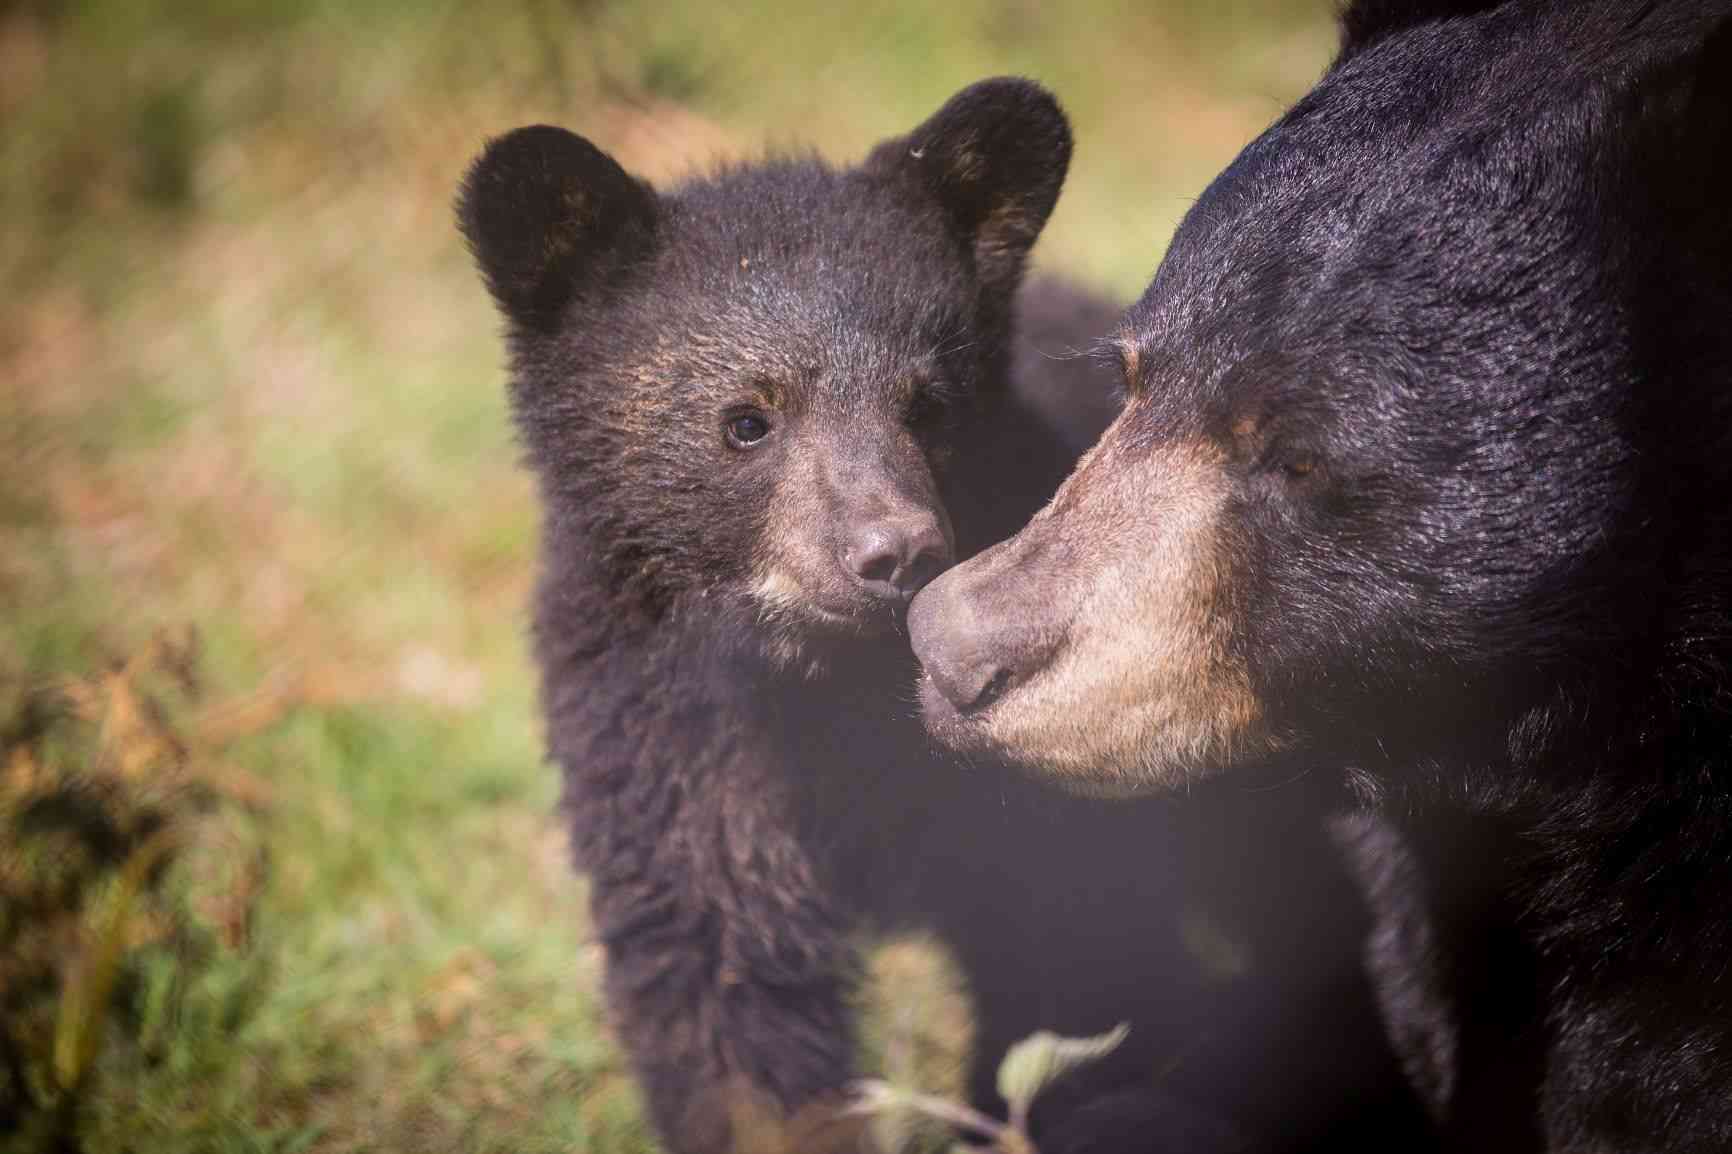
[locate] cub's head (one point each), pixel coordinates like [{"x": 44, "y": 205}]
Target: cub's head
[
  {"x": 1428, "y": 431},
  {"x": 740, "y": 392}
]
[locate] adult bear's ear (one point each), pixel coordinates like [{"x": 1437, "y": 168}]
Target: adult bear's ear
[
  {"x": 1677, "y": 126},
  {"x": 1366, "y": 22},
  {"x": 548, "y": 215},
  {"x": 1711, "y": 81},
  {"x": 993, "y": 158}
]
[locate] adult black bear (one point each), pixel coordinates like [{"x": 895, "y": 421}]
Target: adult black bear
[
  {"x": 1426, "y": 476},
  {"x": 750, "y": 402}
]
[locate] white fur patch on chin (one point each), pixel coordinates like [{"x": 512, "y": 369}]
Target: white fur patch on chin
[
  {"x": 781, "y": 596},
  {"x": 786, "y": 612},
  {"x": 778, "y": 590},
  {"x": 781, "y": 602}
]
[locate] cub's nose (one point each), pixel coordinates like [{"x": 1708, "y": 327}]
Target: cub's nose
[{"x": 893, "y": 557}]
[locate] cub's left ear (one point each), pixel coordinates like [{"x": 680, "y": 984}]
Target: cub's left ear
[{"x": 994, "y": 158}]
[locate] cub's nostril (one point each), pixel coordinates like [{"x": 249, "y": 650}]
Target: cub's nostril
[
  {"x": 921, "y": 569},
  {"x": 928, "y": 556},
  {"x": 895, "y": 560}
]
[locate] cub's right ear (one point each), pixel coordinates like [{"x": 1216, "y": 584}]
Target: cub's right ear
[
  {"x": 993, "y": 159},
  {"x": 548, "y": 215}
]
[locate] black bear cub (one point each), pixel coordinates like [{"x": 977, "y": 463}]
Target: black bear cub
[
  {"x": 1425, "y": 483},
  {"x": 764, "y": 408}
]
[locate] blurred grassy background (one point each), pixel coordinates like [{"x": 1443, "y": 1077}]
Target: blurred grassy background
[{"x": 248, "y": 383}]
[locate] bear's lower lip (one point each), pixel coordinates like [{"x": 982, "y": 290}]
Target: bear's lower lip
[
  {"x": 943, "y": 720},
  {"x": 856, "y": 621},
  {"x": 831, "y": 617}
]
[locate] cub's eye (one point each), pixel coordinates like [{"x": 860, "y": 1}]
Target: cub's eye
[
  {"x": 1299, "y": 465},
  {"x": 747, "y": 429}
]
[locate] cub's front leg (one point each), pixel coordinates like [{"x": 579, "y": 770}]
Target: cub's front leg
[{"x": 728, "y": 967}]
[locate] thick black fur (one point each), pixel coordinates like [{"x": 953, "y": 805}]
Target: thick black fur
[
  {"x": 1480, "y": 281},
  {"x": 745, "y": 815}
]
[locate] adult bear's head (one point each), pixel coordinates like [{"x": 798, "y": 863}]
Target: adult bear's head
[
  {"x": 1430, "y": 422},
  {"x": 739, "y": 394}
]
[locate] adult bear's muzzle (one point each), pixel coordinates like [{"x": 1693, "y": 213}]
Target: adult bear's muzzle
[{"x": 1094, "y": 646}]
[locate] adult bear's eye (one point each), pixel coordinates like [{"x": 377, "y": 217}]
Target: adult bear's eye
[
  {"x": 1292, "y": 463},
  {"x": 747, "y": 429},
  {"x": 927, "y": 401},
  {"x": 924, "y": 408}
]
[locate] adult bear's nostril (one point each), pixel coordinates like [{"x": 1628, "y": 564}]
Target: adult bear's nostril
[
  {"x": 893, "y": 559},
  {"x": 969, "y": 686}
]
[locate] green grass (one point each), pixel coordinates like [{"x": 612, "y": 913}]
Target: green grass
[{"x": 248, "y": 380}]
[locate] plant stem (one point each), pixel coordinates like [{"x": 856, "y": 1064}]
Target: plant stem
[{"x": 877, "y": 1095}]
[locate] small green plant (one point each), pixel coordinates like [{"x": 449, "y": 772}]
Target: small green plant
[
  {"x": 104, "y": 781},
  {"x": 904, "y": 1117}
]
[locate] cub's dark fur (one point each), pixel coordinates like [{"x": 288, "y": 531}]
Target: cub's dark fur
[
  {"x": 1432, "y": 404},
  {"x": 727, "y": 392}
]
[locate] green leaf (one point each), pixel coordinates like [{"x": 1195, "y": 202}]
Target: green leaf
[
  {"x": 1042, "y": 1058},
  {"x": 84, "y": 1001}
]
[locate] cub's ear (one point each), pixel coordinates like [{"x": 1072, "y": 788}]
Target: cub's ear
[
  {"x": 548, "y": 215},
  {"x": 994, "y": 158}
]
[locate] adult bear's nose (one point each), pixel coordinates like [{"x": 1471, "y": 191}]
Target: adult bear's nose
[
  {"x": 959, "y": 651},
  {"x": 987, "y": 626},
  {"x": 894, "y": 557}
]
